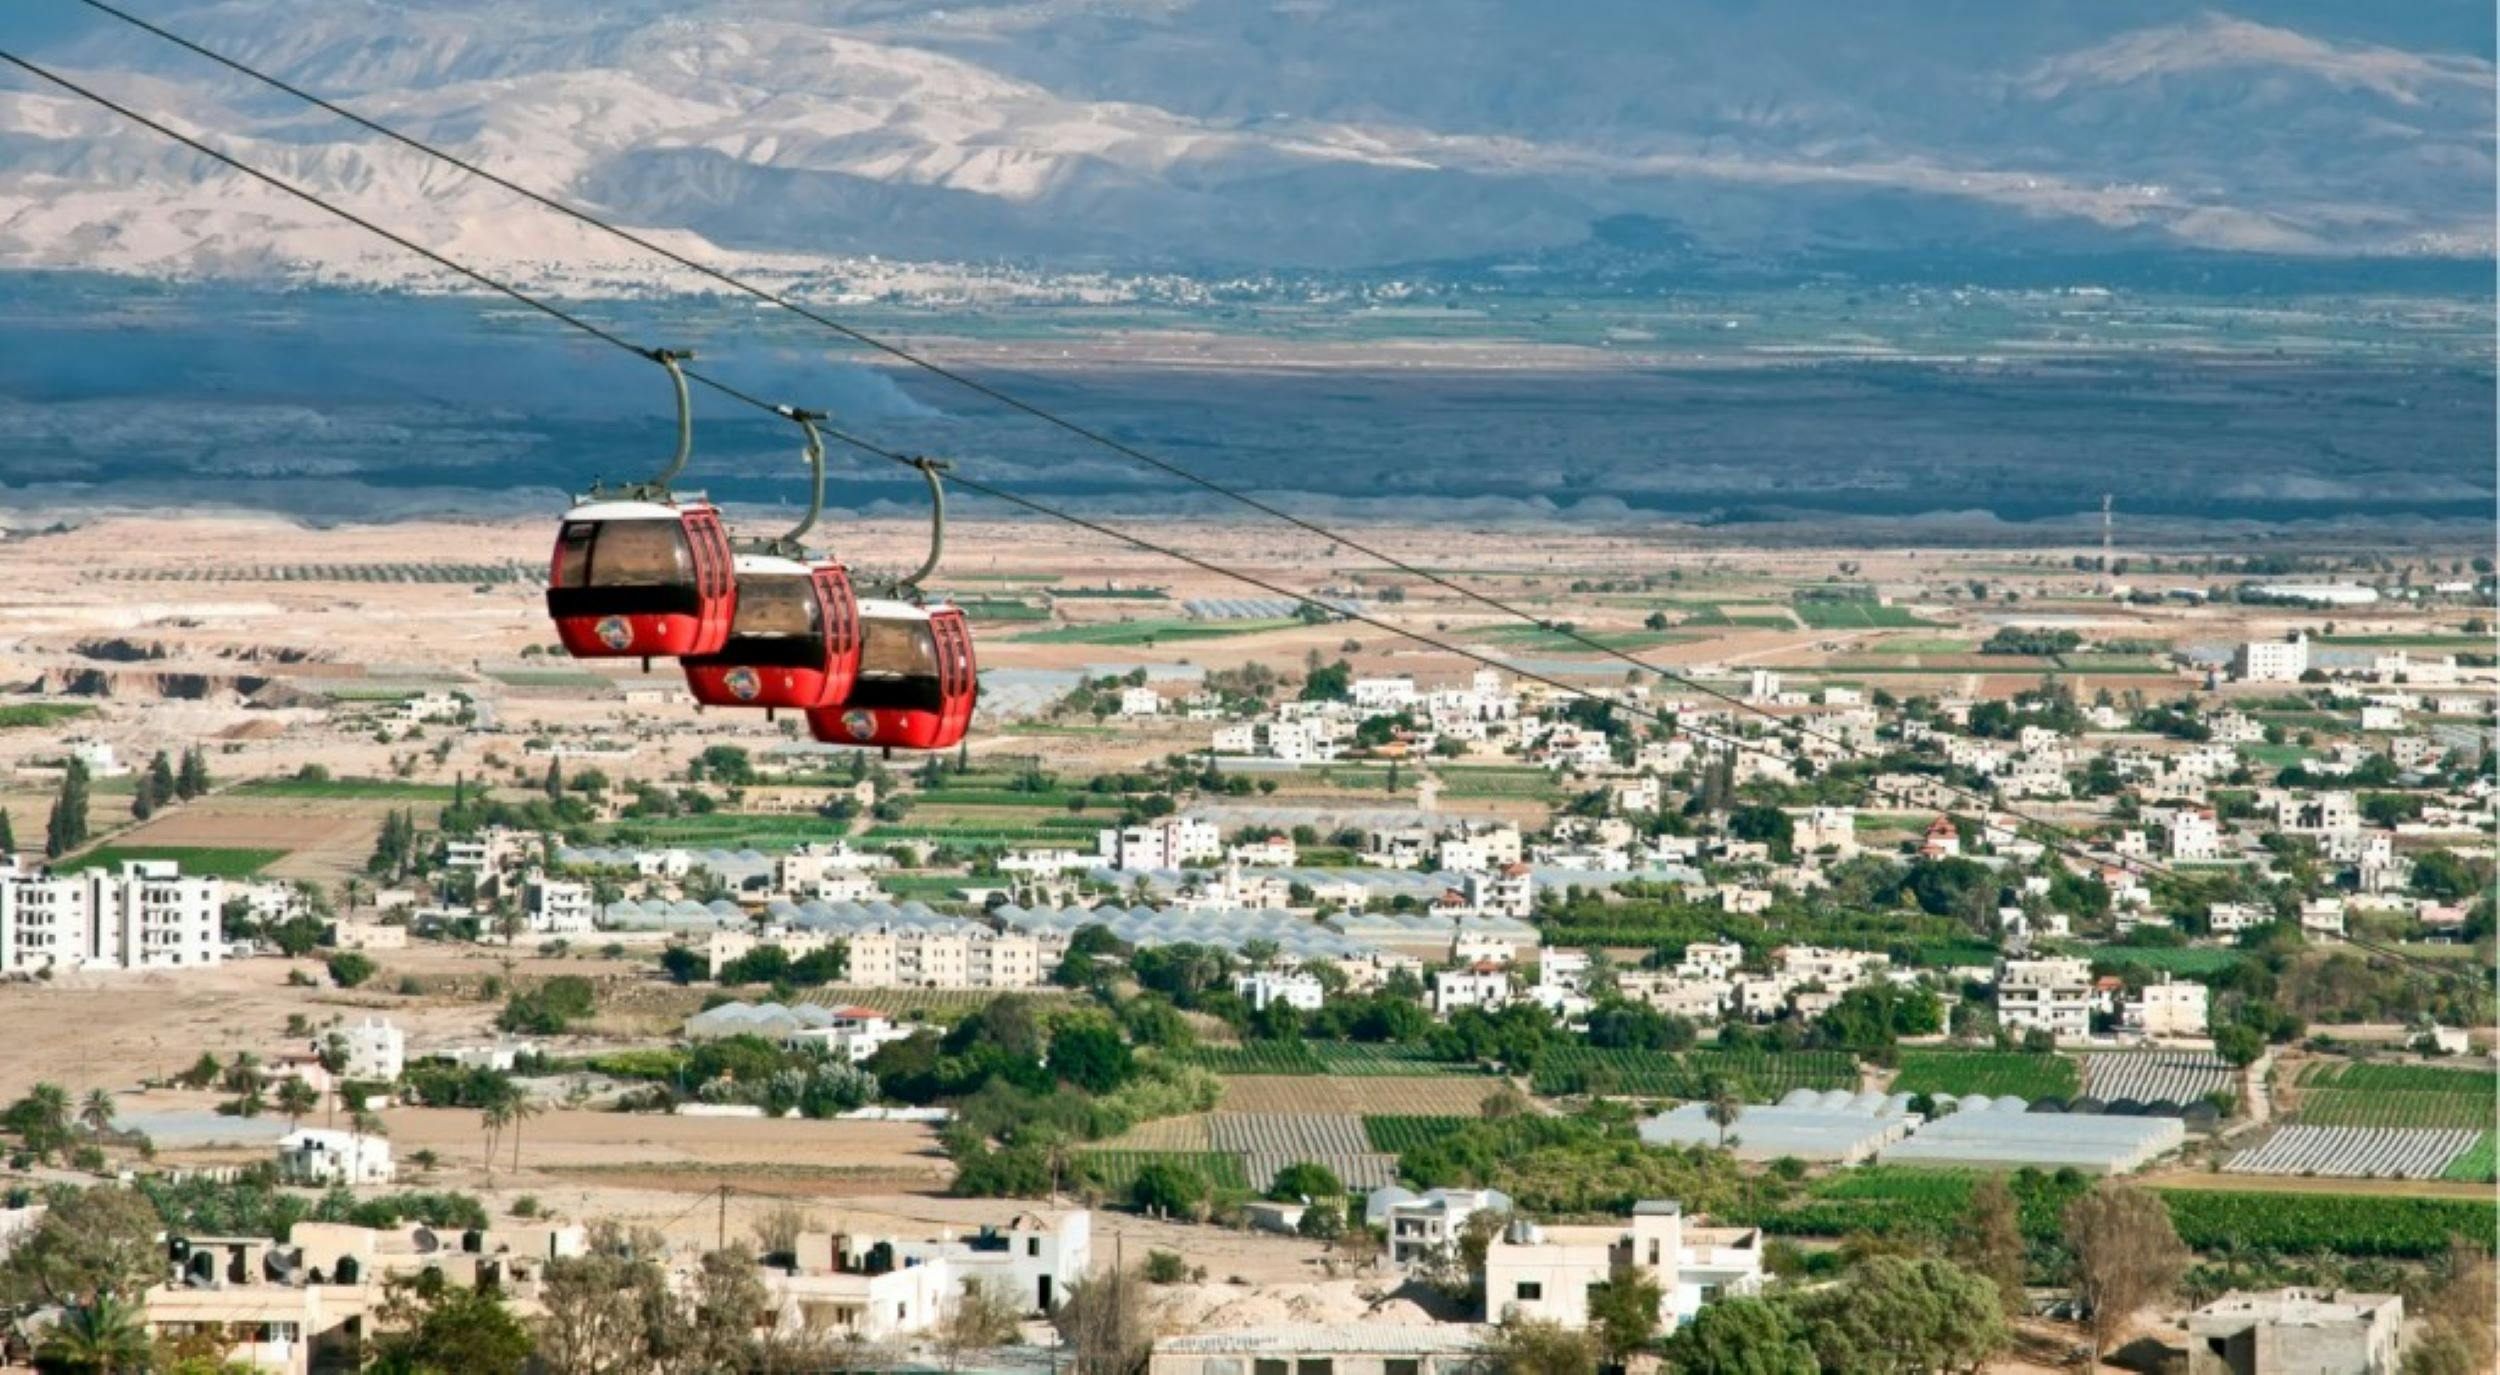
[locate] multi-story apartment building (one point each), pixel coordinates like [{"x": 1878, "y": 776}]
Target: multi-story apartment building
[
  {"x": 145, "y": 915},
  {"x": 556, "y": 907},
  {"x": 1173, "y": 843},
  {"x": 965, "y": 957},
  {"x": 2271, "y": 661},
  {"x": 2170, "y": 1008},
  {"x": 2052, "y": 995},
  {"x": 376, "y": 1050}
]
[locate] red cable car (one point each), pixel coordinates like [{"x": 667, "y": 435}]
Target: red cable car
[
  {"x": 917, "y": 680},
  {"x": 638, "y": 572},
  {"x": 795, "y": 640}
]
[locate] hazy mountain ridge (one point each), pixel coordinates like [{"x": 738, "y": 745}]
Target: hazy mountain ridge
[{"x": 1225, "y": 135}]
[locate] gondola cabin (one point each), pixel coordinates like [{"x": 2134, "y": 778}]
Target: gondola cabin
[
  {"x": 793, "y": 643},
  {"x": 642, "y": 579},
  {"x": 916, "y": 681}
]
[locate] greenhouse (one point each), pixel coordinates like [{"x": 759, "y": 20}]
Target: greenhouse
[
  {"x": 1984, "y": 1133},
  {"x": 1837, "y": 1127}
]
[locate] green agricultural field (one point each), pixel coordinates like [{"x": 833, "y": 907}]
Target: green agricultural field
[
  {"x": 197, "y": 861},
  {"x": 718, "y": 830},
  {"x": 2346, "y": 1224},
  {"x": 1258, "y": 1057},
  {"x": 1893, "y": 1201},
  {"x": 2365, "y": 1095},
  {"x": 1990, "y": 1072},
  {"x": 1851, "y": 613},
  {"x": 1537, "y": 637},
  {"x": 1921, "y": 644},
  {"x": 1759, "y": 1076},
  {"x": 1116, "y": 1171},
  {"x": 551, "y": 678},
  {"x": 2478, "y": 1165},
  {"x": 1359, "y": 1059},
  {"x": 1148, "y": 632},
  {"x": 391, "y": 789},
  {"x": 28, "y": 715},
  {"x": 1398, "y": 1135},
  {"x": 2111, "y": 663},
  {"x": 2175, "y": 959}
]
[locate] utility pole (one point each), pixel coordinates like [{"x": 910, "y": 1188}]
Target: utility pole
[
  {"x": 720, "y": 1231},
  {"x": 2108, "y": 564}
]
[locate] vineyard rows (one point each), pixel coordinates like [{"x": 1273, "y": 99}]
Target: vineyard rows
[
  {"x": 2156, "y": 1076},
  {"x": 1398, "y": 1135},
  {"x": 1116, "y": 1171},
  {"x": 1303, "y": 1135},
  {"x": 2356, "y": 1152},
  {"x": 1995, "y": 1073},
  {"x": 1319, "y": 1057},
  {"x": 1892, "y": 1201},
  {"x": 2478, "y": 1165},
  {"x": 1758, "y": 1076},
  {"x": 1359, "y": 1171},
  {"x": 2343, "y": 1095},
  {"x": 2347, "y": 1224}
]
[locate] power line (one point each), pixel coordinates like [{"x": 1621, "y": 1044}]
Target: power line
[
  {"x": 1732, "y": 742},
  {"x": 1796, "y": 729}
]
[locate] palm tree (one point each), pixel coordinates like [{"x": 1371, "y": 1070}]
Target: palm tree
[
  {"x": 1725, "y": 1106},
  {"x": 364, "y": 1123},
  {"x": 494, "y": 1117},
  {"x": 105, "y": 1337},
  {"x": 295, "y": 1098},
  {"x": 524, "y": 1108},
  {"x": 95, "y": 1112},
  {"x": 46, "y": 1126}
]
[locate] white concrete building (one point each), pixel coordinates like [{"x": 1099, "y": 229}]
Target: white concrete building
[
  {"x": 145, "y": 915},
  {"x": 2052, "y": 995},
  {"x": 1293, "y": 988},
  {"x": 2168, "y": 1009},
  {"x": 1483, "y": 986},
  {"x": 375, "y": 1050},
  {"x": 1175, "y": 842},
  {"x": 313, "y": 1156},
  {"x": 1546, "y": 1273},
  {"x": 2296, "y": 1332},
  {"x": 1423, "y": 1226},
  {"x": 557, "y": 907},
  {"x": 1816, "y": 829},
  {"x": 2271, "y": 661}
]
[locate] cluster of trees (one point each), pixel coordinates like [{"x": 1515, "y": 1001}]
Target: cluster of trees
[
  {"x": 395, "y": 849},
  {"x": 765, "y": 964},
  {"x": 67, "y": 828},
  {"x": 549, "y": 1008},
  {"x": 160, "y": 784}
]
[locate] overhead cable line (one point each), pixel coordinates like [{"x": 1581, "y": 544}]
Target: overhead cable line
[
  {"x": 1002, "y": 397},
  {"x": 1795, "y": 729},
  {"x": 864, "y": 445}
]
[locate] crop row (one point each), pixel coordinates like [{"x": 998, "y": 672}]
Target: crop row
[
  {"x": 2172, "y": 1076},
  {"x": 2356, "y": 1152},
  {"x": 1994, "y": 1073},
  {"x": 1309, "y": 1135},
  {"x": 1398, "y": 1135},
  {"x": 1115, "y": 1171},
  {"x": 1344, "y": 1058},
  {"x": 1895, "y": 1201},
  {"x": 2478, "y": 1164},
  {"x": 2397, "y": 1096},
  {"x": 1757, "y": 1076}
]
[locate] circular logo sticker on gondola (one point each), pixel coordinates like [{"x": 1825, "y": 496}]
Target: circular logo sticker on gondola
[
  {"x": 861, "y": 724},
  {"x": 742, "y": 684},
  {"x": 616, "y": 632}
]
